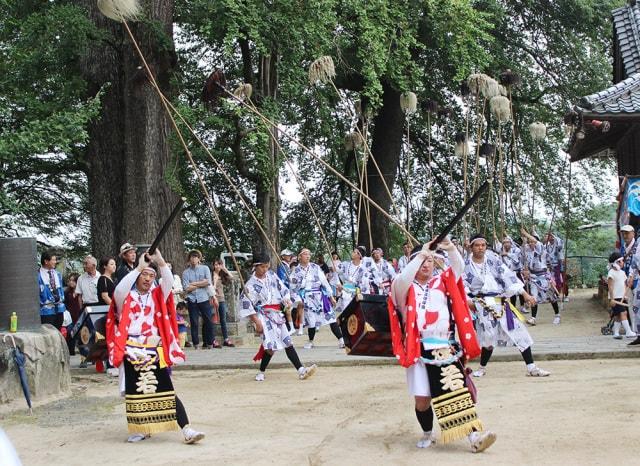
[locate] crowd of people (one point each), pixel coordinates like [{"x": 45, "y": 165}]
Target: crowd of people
[{"x": 472, "y": 287}]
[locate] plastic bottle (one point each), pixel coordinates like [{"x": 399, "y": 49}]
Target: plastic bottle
[{"x": 13, "y": 327}]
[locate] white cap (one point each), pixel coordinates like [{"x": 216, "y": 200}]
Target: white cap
[
  {"x": 287, "y": 252},
  {"x": 627, "y": 228}
]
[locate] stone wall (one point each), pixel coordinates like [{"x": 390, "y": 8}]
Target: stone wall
[
  {"x": 46, "y": 367},
  {"x": 240, "y": 330}
]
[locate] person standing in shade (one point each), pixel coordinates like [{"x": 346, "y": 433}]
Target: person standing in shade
[
  {"x": 616, "y": 284},
  {"x": 222, "y": 278},
  {"x": 105, "y": 282},
  {"x": 87, "y": 286},
  {"x": 195, "y": 280},
  {"x": 128, "y": 258},
  {"x": 51, "y": 291}
]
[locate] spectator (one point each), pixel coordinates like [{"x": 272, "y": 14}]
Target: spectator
[
  {"x": 181, "y": 312},
  {"x": 105, "y": 282},
  {"x": 128, "y": 257},
  {"x": 71, "y": 300},
  {"x": 195, "y": 280},
  {"x": 221, "y": 279},
  {"x": 283, "y": 269},
  {"x": 51, "y": 292},
  {"x": 87, "y": 286},
  {"x": 177, "y": 289}
]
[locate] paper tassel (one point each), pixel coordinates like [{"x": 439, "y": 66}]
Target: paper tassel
[
  {"x": 462, "y": 145},
  {"x": 120, "y": 10},
  {"x": 538, "y": 131},
  {"x": 432, "y": 106},
  {"x": 490, "y": 88},
  {"x": 322, "y": 70},
  {"x": 465, "y": 90},
  {"x": 243, "y": 91},
  {"x": 408, "y": 103},
  {"x": 503, "y": 90},
  {"x": 487, "y": 150},
  {"x": 509, "y": 78},
  {"x": 353, "y": 141},
  {"x": 476, "y": 82},
  {"x": 500, "y": 108}
]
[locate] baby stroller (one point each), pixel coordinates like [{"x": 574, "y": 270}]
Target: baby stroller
[{"x": 608, "y": 329}]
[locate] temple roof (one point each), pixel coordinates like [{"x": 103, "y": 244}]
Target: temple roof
[
  {"x": 626, "y": 23},
  {"x": 621, "y": 98}
]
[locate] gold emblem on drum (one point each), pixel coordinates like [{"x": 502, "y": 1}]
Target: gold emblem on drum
[{"x": 352, "y": 324}]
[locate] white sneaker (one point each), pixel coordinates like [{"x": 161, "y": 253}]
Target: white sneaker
[
  {"x": 113, "y": 372},
  {"x": 480, "y": 372},
  {"x": 427, "y": 440},
  {"x": 260, "y": 377},
  {"x": 556, "y": 320},
  {"x": 133, "y": 438},
  {"x": 538, "y": 372},
  {"x": 480, "y": 441},
  {"x": 617, "y": 336},
  {"x": 306, "y": 372},
  {"x": 631, "y": 334},
  {"x": 523, "y": 310},
  {"x": 341, "y": 343},
  {"x": 531, "y": 321},
  {"x": 300, "y": 332},
  {"x": 308, "y": 345},
  {"x": 190, "y": 435}
]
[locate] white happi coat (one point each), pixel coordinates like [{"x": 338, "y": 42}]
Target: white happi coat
[
  {"x": 541, "y": 284},
  {"x": 258, "y": 293},
  {"x": 430, "y": 300},
  {"x": 309, "y": 283},
  {"x": 352, "y": 276},
  {"x": 381, "y": 274},
  {"x": 493, "y": 279}
]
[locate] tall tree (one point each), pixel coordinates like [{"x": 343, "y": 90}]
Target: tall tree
[{"x": 128, "y": 153}]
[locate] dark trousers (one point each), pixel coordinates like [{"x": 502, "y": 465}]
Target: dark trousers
[
  {"x": 197, "y": 310},
  {"x": 55, "y": 320}
]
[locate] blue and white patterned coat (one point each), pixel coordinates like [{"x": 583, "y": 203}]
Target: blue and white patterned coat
[{"x": 310, "y": 285}]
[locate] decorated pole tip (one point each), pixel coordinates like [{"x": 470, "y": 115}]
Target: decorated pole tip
[
  {"x": 120, "y": 10},
  {"x": 487, "y": 150},
  {"x": 243, "y": 91},
  {"x": 353, "y": 141},
  {"x": 408, "y": 102},
  {"x": 500, "y": 108},
  {"x": 509, "y": 78},
  {"x": 462, "y": 145},
  {"x": 538, "y": 131},
  {"x": 465, "y": 90},
  {"x": 322, "y": 70},
  {"x": 445, "y": 112},
  {"x": 432, "y": 106}
]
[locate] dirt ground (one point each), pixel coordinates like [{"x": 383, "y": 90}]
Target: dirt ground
[{"x": 354, "y": 415}]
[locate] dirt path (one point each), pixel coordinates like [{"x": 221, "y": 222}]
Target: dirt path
[{"x": 354, "y": 416}]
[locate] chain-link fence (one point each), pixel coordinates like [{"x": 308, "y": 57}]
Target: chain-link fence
[{"x": 586, "y": 271}]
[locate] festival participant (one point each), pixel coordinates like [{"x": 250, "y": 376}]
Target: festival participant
[
  {"x": 404, "y": 259},
  {"x": 511, "y": 256},
  {"x": 142, "y": 339},
  {"x": 316, "y": 301},
  {"x": 354, "y": 279},
  {"x": 541, "y": 284},
  {"x": 262, "y": 301},
  {"x": 380, "y": 272},
  {"x": 286, "y": 255},
  {"x": 555, "y": 260},
  {"x": 432, "y": 309},
  {"x": 489, "y": 283},
  {"x": 616, "y": 284}
]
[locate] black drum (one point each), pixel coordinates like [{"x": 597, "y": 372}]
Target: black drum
[{"x": 365, "y": 327}]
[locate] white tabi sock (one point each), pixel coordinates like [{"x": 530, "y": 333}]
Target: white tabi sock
[
  {"x": 531, "y": 366},
  {"x": 616, "y": 328}
]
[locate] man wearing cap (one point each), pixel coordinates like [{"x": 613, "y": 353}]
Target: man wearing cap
[
  {"x": 425, "y": 311},
  {"x": 489, "y": 284},
  {"x": 195, "y": 280},
  {"x": 286, "y": 256},
  {"x": 380, "y": 273},
  {"x": 262, "y": 301},
  {"x": 142, "y": 340},
  {"x": 128, "y": 263}
]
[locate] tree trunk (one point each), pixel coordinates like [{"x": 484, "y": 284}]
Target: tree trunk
[
  {"x": 267, "y": 190},
  {"x": 128, "y": 151},
  {"x": 386, "y": 148}
]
